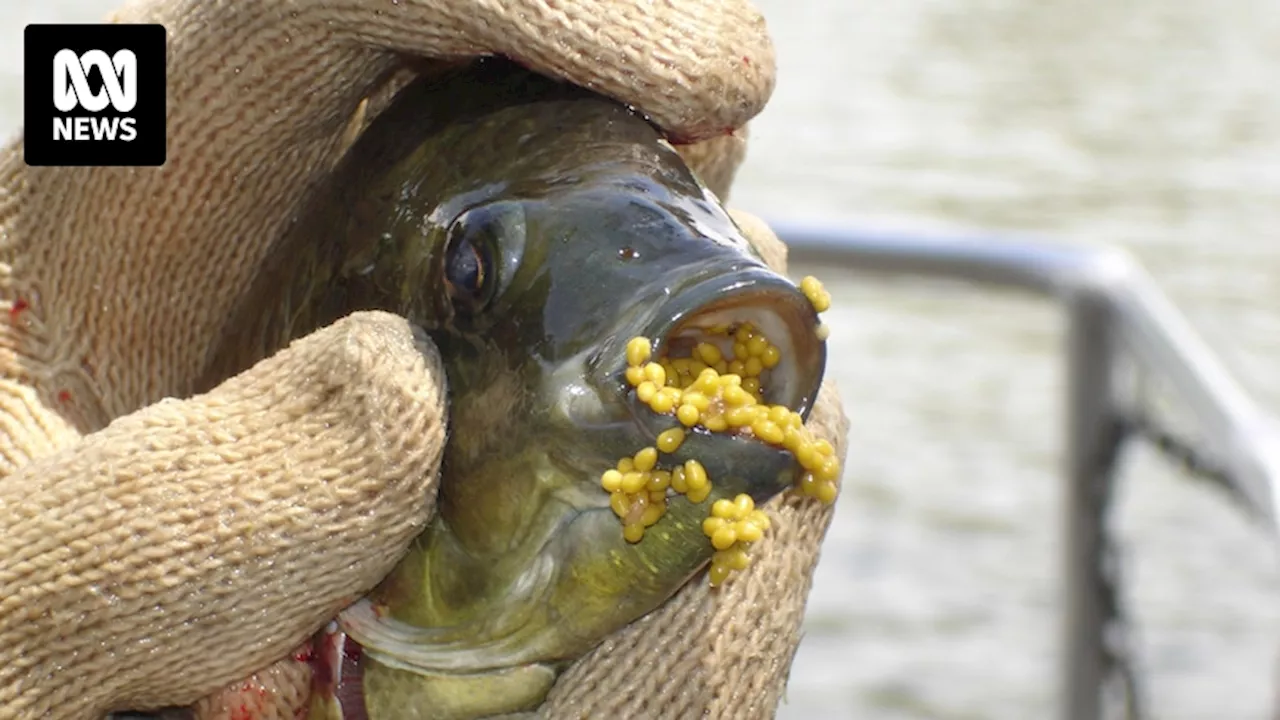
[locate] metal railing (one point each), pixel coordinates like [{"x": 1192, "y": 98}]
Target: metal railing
[{"x": 1116, "y": 314}]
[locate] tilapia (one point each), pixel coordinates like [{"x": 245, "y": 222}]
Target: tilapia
[{"x": 542, "y": 234}]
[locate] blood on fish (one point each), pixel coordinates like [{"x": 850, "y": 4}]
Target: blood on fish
[
  {"x": 64, "y": 396},
  {"x": 18, "y": 307},
  {"x": 337, "y": 673},
  {"x": 350, "y": 689}
]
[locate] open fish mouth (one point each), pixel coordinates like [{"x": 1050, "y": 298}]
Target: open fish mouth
[
  {"x": 723, "y": 386},
  {"x": 755, "y": 326}
]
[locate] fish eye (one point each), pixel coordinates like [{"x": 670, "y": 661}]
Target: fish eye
[
  {"x": 469, "y": 265},
  {"x": 466, "y": 266},
  {"x": 475, "y": 257}
]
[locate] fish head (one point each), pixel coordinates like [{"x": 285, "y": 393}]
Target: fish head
[{"x": 542, "y": 296}]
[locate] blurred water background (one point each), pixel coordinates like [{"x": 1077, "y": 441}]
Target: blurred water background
[{"x": 1149, "y": 124}]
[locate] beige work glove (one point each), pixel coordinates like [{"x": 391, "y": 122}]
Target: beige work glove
[{"x": 154, "y": 550}]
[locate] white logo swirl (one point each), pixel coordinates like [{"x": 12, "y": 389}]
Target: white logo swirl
[{"x": 119, "y": 80}]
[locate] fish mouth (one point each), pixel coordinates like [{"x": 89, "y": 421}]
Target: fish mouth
[
  {"x": 769, "y": 303},
  {"x": 709, "y": 311}
]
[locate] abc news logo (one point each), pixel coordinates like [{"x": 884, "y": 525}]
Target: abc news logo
[
  {"x": 71, "y": 89},
  {"x": 94, "y": 95}
]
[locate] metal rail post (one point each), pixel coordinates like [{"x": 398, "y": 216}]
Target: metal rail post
[{"x": 1093, "y": 439}]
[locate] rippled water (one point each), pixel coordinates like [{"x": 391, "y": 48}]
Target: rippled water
[{"x": 1152, "y": 125}]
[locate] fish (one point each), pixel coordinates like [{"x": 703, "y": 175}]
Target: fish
[{"x": 549, "y": 240}]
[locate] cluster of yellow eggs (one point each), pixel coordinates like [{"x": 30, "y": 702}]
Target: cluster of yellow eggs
[
  {"x": 722, "y": 391},
  {"x": 817, "y": 294},
  {"x": 638, "y": 491},
  {"x": 819, "y": 298},
  {"x": 657, "y": 383},
  {"x": 731, "y": 403},
  {"x": 732, "y": 527}
]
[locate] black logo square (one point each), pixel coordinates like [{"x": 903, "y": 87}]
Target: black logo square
[{"x": 94, "y": 95}]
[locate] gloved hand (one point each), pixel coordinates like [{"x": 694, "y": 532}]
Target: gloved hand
[{"x": 154, "y": 550}]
